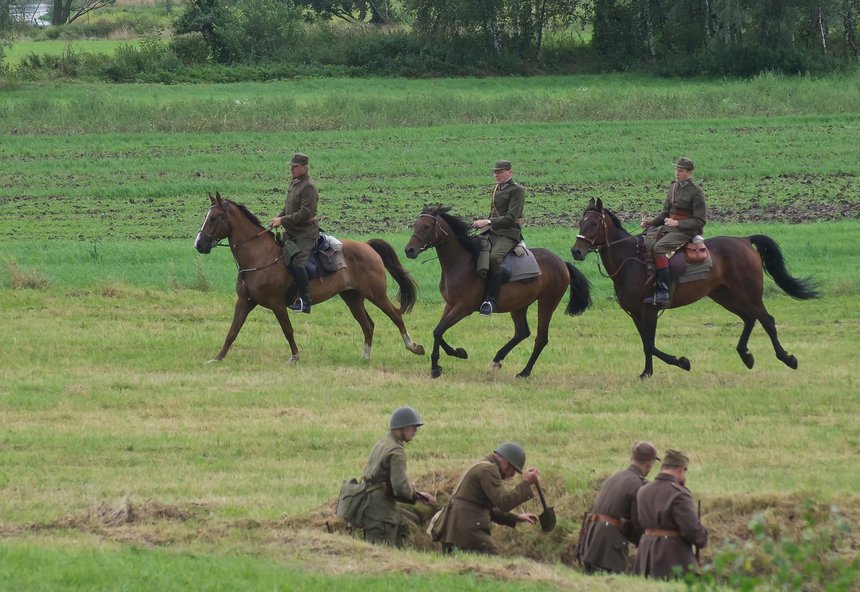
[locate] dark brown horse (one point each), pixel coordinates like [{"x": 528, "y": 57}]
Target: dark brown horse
[
  {"x": 463, "y": 289},
  {"x": 263, "y": 278},
  {"x": 736, "y": 281}
]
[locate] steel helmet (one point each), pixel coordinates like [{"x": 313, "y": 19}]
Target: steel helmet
[
  {"x": 513, "y": 453},
  {"x": 404, "y": 417}
]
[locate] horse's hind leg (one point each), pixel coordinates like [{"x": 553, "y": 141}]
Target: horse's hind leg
[
  {"x": 385, "y": 305},
  {"x": 521, "y": 331},
  {"x": 287, "y": 328},
  {"x": 355, "y": 302},
  {"x": 240, "y": 312},
  {"x": 749, "y": 312},
  {"x": 545, "y": 310}
]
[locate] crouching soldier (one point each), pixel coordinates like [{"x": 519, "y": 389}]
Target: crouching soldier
[
  {"x": 480, "y": 498},
  {"x": 387, "y": 483}
]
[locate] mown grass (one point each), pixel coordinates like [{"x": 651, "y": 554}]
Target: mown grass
[{"x": 19, "y": 50}]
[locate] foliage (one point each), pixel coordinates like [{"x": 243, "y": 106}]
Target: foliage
[
  {"x": 816, "y": 558},
  {"x": 217, "y": 22}
]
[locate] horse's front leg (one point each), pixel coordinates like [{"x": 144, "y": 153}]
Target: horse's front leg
[
  {"x": 240, "y": 312},
  {"x": 287, "y": 328},
  {"x": 646, "y": 322},
  {"x": 449, "y": 318}
]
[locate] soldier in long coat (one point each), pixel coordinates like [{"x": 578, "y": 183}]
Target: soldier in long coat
[
  {"x": 503, "y": 230},
  {"x": 683, "y": 216},
  {"x": 613, "y": 522},
  {"x": 481, "y": 498},
  {"x": 387, "y": 482},
  {"x": 301, "y": 229},
  {"x": 668, "y": 517}
]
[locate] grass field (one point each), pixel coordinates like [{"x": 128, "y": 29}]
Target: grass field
[
  {"x": 56, "y": 47},
  {"x": 126, "y": 458}
]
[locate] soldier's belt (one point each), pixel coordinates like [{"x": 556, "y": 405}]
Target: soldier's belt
[
  {"x": 469, "y": 503},
  {"x": 659, "y": 532},
  {"x": 680, "y": 216},
  {"x": 616, "y": 522}
]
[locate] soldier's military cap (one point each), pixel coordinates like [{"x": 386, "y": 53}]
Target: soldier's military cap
[
  {"x": 502, "y": 165},
  {"x": 299, "y": 159},
  {"x": 675, "y": 458},
  {"x": 644, "y": 451},
  {"x": 684, "y": 163}
]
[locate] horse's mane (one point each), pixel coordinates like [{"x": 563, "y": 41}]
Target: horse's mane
[
  {"x": 460, "y": 227},
  {"x": 615, "y": 220},
  {"x": 253, "y": 218}
]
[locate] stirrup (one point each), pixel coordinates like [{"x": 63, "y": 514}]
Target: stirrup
[
  {"x": 300, "y": 306},
  {"x": 657, "y": 299},
  {"x": 488, "y": 307}
]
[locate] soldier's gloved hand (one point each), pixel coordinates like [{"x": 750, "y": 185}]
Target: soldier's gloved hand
[
  {"x": 531, "y": 476},
  {"x": 530, "y": 518}
]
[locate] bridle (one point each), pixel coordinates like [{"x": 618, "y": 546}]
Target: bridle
[
  {"x": 434, "y": 230},
  {"x": 234, "y": 246},
  {"x": 606, "y": 242}
]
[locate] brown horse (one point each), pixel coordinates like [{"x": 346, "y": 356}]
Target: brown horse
[
  {"x": 463, "y": 289},
  {"x": 736, "y": 281},
  {"x": 263, "y": 278}
]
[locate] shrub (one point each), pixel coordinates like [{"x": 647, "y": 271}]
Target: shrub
[
  {"x": 771, "y": 559},
  {"x": 190, "y": 48}
]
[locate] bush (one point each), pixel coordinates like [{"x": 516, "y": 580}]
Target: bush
[
  {"x": 190, "y": 48},
  {"x": 814, "y": 559}
]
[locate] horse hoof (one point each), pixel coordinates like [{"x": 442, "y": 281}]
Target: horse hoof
[
  {"x": 748, "y": 360},
  {"x": 495, "y": 366},
  {"x": 790, "y": 361},
  {"x": 461, "y": 353},
  {"x": 684, "y": 364},
  {"x": 645, "y": 375},
  {"x": 436, "y": 372},
  {"x": 524, "y": 374},
  {"x": 293, "y": 360},
  {"x": 419, "y": 350},
  {"x": 214, "y": 361}
]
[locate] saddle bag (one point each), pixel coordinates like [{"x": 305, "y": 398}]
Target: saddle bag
[
  {"x": 436, "y": 528},
  {"x": 696, "y": 252},
  {"x": 351, "y": 503}
]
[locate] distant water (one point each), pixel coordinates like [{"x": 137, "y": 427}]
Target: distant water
[{"x": 31, "y": 13}]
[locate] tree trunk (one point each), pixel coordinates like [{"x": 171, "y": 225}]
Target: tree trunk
[
  {"x": 821, "y": 28},
  {"x": 849, "y": 19},
  {"x": 61, "y": 12}
]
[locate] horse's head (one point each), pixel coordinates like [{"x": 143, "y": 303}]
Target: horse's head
[
  {"x": 592, "y": 230},
  {"x": 215, "y": 227},
  {"x": 427, "y": 231}
]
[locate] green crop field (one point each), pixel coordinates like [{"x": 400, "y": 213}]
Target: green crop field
[
  {"x": 19, "y": 50},
  {"x": 128, "y": 462}
]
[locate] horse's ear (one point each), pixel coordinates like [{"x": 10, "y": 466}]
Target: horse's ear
[
  {"x": 590, "y": 204},
  {"x": 211, "y": 199},
  {"x": 444, "y": 209},
  {"x": 599, "y": 205},
  {"x": 218, "y": 197}
]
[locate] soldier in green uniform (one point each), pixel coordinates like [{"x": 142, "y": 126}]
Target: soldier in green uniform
[
  {"x": 683, "y": 217},
  {"x": 668, "y": 517},
  {"x": 502, "y": 231},
  {"x": 613, "y": 522},
  {"x": 301, "y": 230},
  {"x": 481, "y": 498},
  {"x": 387, "y": 483}
]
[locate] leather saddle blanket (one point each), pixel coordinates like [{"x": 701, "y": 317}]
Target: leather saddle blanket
[
  {"x": 519, "y": 265},
  {"x": 326, "y": 257}
]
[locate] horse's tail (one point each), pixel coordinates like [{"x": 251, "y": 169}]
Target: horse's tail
[
  {"x": 408, "y": 293},
  {"x": 774, "y": 265},
  {"x": 580, "y": 292}
]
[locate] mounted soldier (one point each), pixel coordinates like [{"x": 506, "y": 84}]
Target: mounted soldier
[
  {"x": 301, "y": 230},
  {"x": 683, "y": 217},
  {"x": 502, "y": 231}
]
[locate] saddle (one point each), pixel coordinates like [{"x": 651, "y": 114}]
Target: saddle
[
  {"x": 687, "y": 264},
  {"x": 326, "y": 257},
  {"x": 519, "y": 265}
]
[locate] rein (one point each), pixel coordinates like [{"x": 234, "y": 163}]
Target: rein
[
  {"x": 235, "y": 246},
  {"x": 427, "y": 242},
  {"x": 606, "y": 244}
]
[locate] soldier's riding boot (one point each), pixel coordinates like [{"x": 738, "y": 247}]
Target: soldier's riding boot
[
  {"x": 661, "y": 283},
  {"x": 303, "y": 302},
  {"x": 494, "y": 286}
]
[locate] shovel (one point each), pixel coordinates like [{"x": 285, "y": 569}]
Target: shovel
[{"x": 547, "y": 517}]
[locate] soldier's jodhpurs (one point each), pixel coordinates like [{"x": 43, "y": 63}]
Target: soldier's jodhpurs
[
  {"x": 669, "y": 243},
  {"x": 493, "y": 252}
]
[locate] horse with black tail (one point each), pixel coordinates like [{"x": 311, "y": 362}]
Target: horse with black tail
[
  {"x": 736, "y": 281},
  {"x": 463, "y": 290},
  {"x": 264, "y": 280}
]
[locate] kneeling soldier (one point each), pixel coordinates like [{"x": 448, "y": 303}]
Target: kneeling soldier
[{"x": 387, "y": 483}]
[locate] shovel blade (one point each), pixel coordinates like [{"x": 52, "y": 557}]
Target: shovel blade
[{"x": 547, "y": 519}]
